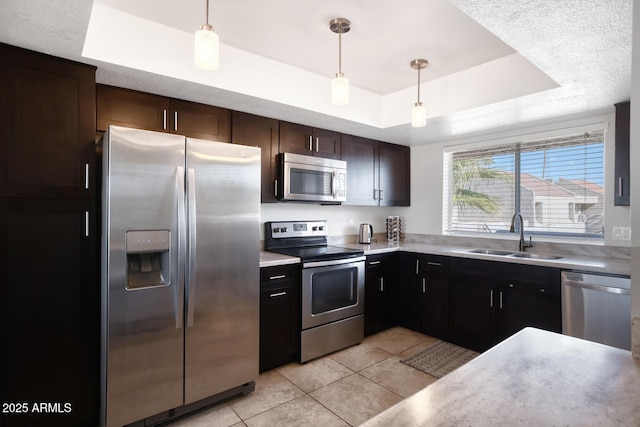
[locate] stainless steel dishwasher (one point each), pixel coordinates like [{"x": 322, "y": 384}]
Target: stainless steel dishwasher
[{"x": 597, "y": 308}]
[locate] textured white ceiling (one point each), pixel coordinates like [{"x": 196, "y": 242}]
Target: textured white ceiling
[{"x": 584, "y": 46}]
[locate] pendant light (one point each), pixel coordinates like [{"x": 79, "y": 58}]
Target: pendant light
[
  {"x": 340, "y": 84},
  {"x": 419, "y": 113},
  {"x": 206, "y": 46}
]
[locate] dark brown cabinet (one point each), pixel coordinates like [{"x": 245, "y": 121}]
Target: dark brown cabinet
[
  {"x": 46, "y": 126},
  {"x": 279, "y": 315},
  {"x": 528, "y": 296},
  {"x": 621, "y": 195},
  {"x": 424, "y": 303},
  {"x": 49, "y": 292},
  {"x": 381, "y": 292},
  {"x": 262, "y": 132},
  {"x": 491, "y": 301},
  {"x": 139, "y": 110},
  {"x": 473, "y": 314},
  {"x": 300, "y": 139},
  {"x": 378, "y": 173}
]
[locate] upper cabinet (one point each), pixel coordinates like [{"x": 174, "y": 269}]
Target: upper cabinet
[
  {"x": 300, "y": 139},
  {"x": 378, "y": 173},
  {"x": 139, "y": 110},
  {"x": 622, "y": 184},
  {"x": 47, "y": 126},
  {"x": 262, "y": 132}
]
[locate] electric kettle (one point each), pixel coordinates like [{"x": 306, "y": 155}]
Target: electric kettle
[{"x": 366, "y": 233}]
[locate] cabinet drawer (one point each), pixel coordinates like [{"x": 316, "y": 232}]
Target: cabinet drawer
[
  {"x": 278, "y": 274},
  {"x": 432, "y": 264}
]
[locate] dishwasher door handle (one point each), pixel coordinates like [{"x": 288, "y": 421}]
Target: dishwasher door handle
[{"x": 600, "y": 288}]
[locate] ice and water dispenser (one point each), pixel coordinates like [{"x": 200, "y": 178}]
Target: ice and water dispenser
[{"x": 148, "y": 261}]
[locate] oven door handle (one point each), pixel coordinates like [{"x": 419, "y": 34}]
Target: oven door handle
[{"x": 332, "y": 262}]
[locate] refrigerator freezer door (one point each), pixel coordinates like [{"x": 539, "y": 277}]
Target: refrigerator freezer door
[
  {"x": 222, "y": 329},
  {"x": 142, "y": 334}
]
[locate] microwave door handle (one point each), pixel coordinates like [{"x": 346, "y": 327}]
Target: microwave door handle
[{"x": 334, "y": 183}]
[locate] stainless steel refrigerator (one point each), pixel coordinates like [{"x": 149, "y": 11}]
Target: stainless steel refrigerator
[{"x": 180, "y": 272}]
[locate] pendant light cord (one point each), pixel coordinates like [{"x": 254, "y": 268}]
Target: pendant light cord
[
  {"x": 340, "y": 50},
  {"x": 418, "y": 85}
]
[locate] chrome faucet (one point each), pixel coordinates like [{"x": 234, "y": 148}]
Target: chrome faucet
[{"x": 523, "y": 245}]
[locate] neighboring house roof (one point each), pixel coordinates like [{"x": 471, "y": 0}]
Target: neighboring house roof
[
  {"x": 542, "y": 187},
  {"x": 584, "y": 184}
]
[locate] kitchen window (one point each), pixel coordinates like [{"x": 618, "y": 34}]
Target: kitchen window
[{"x": 557, "y": 184}]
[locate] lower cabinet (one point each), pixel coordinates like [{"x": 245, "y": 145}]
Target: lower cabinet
[
  {"x": 491, "y": 301},
  {"x": 381, "y": 292},
  {"x": 424, "y": 299},
  {"x": 279, "y": 315},
  {"x": 50, "y": 312}
]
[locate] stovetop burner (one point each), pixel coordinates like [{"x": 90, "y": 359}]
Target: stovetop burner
[
  {"x": 306, "y": 240},
  {"x": 320, "y": 253}
]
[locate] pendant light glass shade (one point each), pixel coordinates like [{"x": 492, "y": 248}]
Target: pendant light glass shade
[
  {"x": 418, "y": 115},
  {"x": 340, "y": 90},
  {"x": 207, "y": 48},
  {"x": 206, "y": 51}
]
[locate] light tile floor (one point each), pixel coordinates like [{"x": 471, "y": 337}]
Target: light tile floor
[{"x": 345, "y": 388}]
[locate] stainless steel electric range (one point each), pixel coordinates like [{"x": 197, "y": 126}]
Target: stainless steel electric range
[{"x": 332, "y": 297}]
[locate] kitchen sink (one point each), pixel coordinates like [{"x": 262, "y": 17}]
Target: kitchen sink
[
  {"x": 490, "y": 252},
  {"x": 534, "y": 256}
]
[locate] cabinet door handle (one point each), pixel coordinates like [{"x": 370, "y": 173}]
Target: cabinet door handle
[
  {"x": 374, "y": 263},
  {"x": 275, "y": 187},
  {"x": 86, "y": 223},
  {"x": 500, "y": 300},
  {"x": 491, "y": 298},
  {"x": 437, "y": 264},
  {"x": 175, "y": 120},
  {"x": 382, "y": 284},
  {"x": 424, "y": 285},
  {"x": 164, "y": 119},
  {"x": 511, "y": 285},
  {"x": 310, "y": 143},
  {"x": 541, "y": 290},
  {"x": 417, "y": 266},
  {"x": 279, "y": 276},
  {"x": 86, "y": 176},
  {"x": 619, "y": 186},
  {"x": 317, "y": 143},
  {"x": 278, "y": 294}
]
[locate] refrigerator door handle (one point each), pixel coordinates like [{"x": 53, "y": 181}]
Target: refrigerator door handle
[
  {"x": 191, "y": 226},
  {"x": 182, "y": 227}
]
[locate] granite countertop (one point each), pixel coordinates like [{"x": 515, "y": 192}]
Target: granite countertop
[
  {"x": 569, "y": 262},
  {"x": 272, "y": 259},
  {"x": 534, "y": 378}
]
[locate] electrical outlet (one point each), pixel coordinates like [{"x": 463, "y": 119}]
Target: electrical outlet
[
  {"x": 621, "y": 233},
  {"x": 350, "y": 222}
]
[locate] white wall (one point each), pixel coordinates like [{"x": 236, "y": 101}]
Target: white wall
[{"x": 337, "y": 216}]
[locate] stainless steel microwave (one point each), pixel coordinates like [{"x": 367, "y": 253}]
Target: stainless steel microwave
[{"x": 311, "y": 179}]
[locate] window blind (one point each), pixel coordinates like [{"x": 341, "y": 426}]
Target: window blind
[{"x": 557, "y": 184}]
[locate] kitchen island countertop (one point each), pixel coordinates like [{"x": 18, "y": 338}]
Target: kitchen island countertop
[{"x": 534, "y": 378}]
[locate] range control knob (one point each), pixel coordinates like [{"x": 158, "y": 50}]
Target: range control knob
[
  {"x": 314, "y": 228},
  {"x": 283, "y": 229},
  {"x": 321, "y": 228}
]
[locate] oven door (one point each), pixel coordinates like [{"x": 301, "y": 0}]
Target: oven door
[{"x": 332, "y": 290}]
